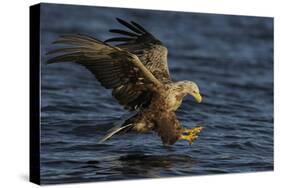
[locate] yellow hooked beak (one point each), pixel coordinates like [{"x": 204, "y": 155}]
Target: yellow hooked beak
[{"x": 197, "y": 97}]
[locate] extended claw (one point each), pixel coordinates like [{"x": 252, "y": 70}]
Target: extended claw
[
  {"x": 194, "y": 130},
  {"x": 190, "y": 134}
]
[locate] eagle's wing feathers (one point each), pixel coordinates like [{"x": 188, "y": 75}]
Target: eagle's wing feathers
[
  {"x": 115, "y": 68},
  {"x": 151, "y": 52}
]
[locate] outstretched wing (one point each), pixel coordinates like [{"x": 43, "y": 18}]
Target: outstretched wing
[
  {"x": 115, "y": 68},
  {"x": 151, "y": 52}
]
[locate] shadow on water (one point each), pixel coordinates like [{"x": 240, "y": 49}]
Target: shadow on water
[{"x": 140, "y": 165}]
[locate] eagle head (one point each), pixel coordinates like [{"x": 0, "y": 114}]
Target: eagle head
[{"x": 189, "y": 88}]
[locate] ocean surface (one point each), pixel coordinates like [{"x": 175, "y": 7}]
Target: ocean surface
[{"x": 229, "y": 57}]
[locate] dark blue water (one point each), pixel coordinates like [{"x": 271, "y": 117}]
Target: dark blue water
[{"x": 231, "y": 59}]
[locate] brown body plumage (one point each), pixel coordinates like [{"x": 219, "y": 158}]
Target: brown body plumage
[{"x": 137, "y": 72}]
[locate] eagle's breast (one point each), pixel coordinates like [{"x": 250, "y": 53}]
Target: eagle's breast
[{"x": 173, "y": 99}]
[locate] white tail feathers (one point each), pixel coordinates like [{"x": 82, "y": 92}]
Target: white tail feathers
[
  {"x": 113, "y": 131},
  {"x": 119, "y": 126}
]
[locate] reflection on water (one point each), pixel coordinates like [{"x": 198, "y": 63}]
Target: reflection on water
[
  {"x": 142, "y": 165},
  {"x": 231, "y": 59}
]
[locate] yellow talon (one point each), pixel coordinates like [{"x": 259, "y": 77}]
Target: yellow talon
[
  {"x": 194, "y": 130},
  {"x": 190, "y": 134},
  {"x": 189, "y": 138}
]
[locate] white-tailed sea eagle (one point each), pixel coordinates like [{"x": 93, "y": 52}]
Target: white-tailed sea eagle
[{"x": 136, "y": 71}]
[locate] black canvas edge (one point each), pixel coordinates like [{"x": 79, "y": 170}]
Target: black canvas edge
[{"x": 34, "y": 96}]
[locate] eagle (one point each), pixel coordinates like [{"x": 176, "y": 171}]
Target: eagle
[{"x": 136, "y": 70}]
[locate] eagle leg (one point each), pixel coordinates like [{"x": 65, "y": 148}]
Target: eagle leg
[{"x": 190, "y": 134}]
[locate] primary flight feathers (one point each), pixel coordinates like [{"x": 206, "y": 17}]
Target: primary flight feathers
[{"x": 124, "y": 68}]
